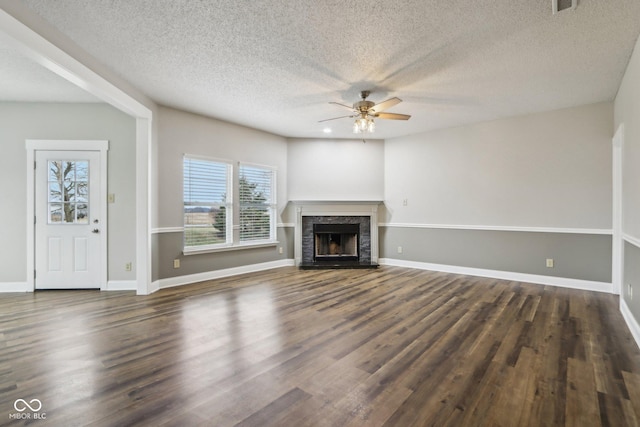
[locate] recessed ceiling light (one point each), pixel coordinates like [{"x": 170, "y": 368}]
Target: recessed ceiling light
[
  {"x": 560, "y": 5},
  {"x": 326, "y": 130}
]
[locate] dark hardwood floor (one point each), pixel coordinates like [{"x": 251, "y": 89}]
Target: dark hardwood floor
[{"x": 286, "y": 347}]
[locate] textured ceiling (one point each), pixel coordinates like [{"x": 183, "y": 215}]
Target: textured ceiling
[{"x": 275, "y": 65}]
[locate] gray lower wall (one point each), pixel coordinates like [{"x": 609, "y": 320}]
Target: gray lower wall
[
  {"x": 155, "y": 256},
  {"x": 576, "y": 256},
  {"x": 632, "y": 277},
  {"x": 168, "y": 246}
]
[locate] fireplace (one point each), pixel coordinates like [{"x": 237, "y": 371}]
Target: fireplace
[{"x": 336, "y": 234}]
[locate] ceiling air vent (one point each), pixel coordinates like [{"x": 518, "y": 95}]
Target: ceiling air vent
[{"x": 560, "y": 5}]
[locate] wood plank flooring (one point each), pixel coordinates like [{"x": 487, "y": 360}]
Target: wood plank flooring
[{"x": 286, "y": 347}]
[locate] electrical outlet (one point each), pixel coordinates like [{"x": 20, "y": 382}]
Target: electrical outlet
[
  {"x": 176, "y": 263},
  {"x": 127, "y": 266},
  {"x": 405, "y": 202},
  {"x": 549, "y": 262},
  {"x": 280, "y": 250},
  {"x": 111, "y": 198},
  {"x": 399, "y": 249}
]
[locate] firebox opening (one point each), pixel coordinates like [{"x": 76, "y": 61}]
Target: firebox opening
[{"x": 336, "y": 242}]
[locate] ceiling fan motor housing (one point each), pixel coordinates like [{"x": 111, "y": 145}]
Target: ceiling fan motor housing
[{"x": 363, "y": 106}]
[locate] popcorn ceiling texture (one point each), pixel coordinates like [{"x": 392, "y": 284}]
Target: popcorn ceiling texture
[{"x": 275, "y": 65}]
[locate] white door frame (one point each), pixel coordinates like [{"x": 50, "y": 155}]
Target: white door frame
[
  {"x": 33, "y": 145},
  {"x": 617, "y": 248}
]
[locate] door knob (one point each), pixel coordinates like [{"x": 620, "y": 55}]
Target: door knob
[{"x": 95, "y": 230}]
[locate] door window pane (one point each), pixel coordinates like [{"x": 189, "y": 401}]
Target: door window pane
[
  {"x": 82, "y": 171},
  {"x": 82, "y": 213},
  {"x": 55, "y": 192},
  {"x": 55, "y": 213},
  {"x": 82, "y": 192}
]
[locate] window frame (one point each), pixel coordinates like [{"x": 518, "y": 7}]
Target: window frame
[
  {"x": 227, "y": 204},
  {"x": 233, "y": 206}
]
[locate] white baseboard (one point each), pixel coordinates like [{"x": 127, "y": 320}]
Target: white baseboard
[
  {"x": 14, "y": 287},
  {"x": 563, "y": 282},
  {"x": 155, "y": 286},
  {"x": 112, "y": 285},
  {"x": 121, "y": 285},
  {"x": 632, "y": 323},
  {"x": 218, "y": 274}
]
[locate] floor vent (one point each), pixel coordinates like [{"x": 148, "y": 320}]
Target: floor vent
[{"x": 562, "y": 5}]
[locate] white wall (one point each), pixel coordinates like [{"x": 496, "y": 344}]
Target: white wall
[
  {"x": 330, "y": 169},
  {"x": 21, "y": 121},
  {"x": 551, "y": 169},
  {"x": 627, "y": 111},
  {"x": 182, "y": 133}
]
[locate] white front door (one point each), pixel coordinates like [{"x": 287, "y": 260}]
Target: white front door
[{"x": 68, "y": 226}]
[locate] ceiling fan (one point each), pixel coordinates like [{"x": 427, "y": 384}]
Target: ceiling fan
[{"x": 365, "y": 111}]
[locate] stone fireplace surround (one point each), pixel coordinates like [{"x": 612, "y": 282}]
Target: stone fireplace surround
[
  {"x": 364, "y": 213},
  {"x": 308, "y": 234}
]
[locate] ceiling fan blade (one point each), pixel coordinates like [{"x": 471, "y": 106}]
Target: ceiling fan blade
[
  {"x": 385, "y": 105},
  {"x": 342, "y": 105},
  {"x": 335, "y": 118},
  {"x": 392, "y": 116}
]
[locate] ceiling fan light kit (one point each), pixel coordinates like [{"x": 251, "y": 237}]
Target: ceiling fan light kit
[
  {"x": 364, "y": 125},
  {"x": 365, "y": 111}
]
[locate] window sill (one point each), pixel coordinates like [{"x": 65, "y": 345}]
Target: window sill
[{"x": 235, "y": 247}]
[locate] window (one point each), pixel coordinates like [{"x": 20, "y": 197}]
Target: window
[
  {"x": 226, "y": 210},
  {"x": 207, "y": 203},
  {"x": 68, "y": 191},
  {"x": 257, "y": 206}
]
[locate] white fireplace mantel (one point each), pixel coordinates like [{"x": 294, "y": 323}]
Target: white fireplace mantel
[{"x": 367, "y": 208}]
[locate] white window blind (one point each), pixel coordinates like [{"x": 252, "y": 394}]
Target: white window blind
[
  {"x": 207, "y": 202},
  {"x": 257, "y": 203}
]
